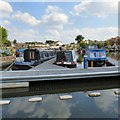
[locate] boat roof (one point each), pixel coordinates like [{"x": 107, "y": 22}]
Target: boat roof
[{"x": 97, "y": 50}]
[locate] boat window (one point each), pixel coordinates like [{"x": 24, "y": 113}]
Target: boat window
[
  {"x": 93, "y": 54},
  {"x": 41, "y": 53},
  {"x": 102, "y": 54},
  {"x": 65, "y": 56},
  {"x": 68, "y": 56},
  {"x": 60, "y": 56},
  {"x": 31, "y": 55}
]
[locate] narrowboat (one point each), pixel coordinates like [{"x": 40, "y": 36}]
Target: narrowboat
[
  {"x": 31, "y": 58},
  {"x": 96, "y": 57},
  {"x": 66, "y": 58}
]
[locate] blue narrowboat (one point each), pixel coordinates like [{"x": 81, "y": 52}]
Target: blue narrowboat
[{"x": 96, "y": 57}]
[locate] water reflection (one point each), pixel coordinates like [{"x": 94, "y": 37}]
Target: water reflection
[
  {"x": 53, "y": 108},
  {"x": 108, "y": 101},
  {"x": 115, "y": 56},
  {"x": 80, "y": 106}
]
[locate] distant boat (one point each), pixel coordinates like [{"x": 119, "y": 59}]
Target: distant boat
[
  {"x": 66, "y": 58},
  {"x": 96, "y": 57}
]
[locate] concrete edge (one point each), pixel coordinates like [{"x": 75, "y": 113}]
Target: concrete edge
[{"x": 14, "y": 85}]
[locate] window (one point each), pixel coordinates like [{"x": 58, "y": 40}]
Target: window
[
  {"x": 93, "y": 54},
  {"x": 102, "y": 54}
]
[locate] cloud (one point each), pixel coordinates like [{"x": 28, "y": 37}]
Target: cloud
[
  {"x": 55, "y": 24},
  {"x": 99, "y": 9},
  {"x": 53, "y": 34},
  {"x": 52, "y": 9},
  {"x": 5, "y": 22},
  {"x": 106, "y": 101},
  {"x": 65, "y": 36},
  {"x": 26, "y": 17},
  {"x": 78, "y": 9},
  {"x": 104, "y": 33},
  {"x": 24, "y": 34},
  {"x": 48, "y": 107},
  {"x": 51, "y": 109},
  {"x": 54, "y": 18},
  {"x": 5, "y": 8}
]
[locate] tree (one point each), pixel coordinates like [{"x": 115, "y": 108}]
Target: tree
[
  {"x": 83, "y": 44},
  {"x": 79, "y": 38},
  {"x": 7, "y": 43},
  {"x": 50, "y": 42},
  {"x": 100, "y": 45},
  {"x": 106, "y": 43},
  {"x": 4, "y": 37},
  {"x": 14, "y": 41}
]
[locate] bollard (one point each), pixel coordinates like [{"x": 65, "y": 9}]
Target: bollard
[
  {"x": 91, "y": 63},
  {"x": 85, "y": 62}
]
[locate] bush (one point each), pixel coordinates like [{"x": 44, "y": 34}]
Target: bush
[{"x": 80, "y": 59}]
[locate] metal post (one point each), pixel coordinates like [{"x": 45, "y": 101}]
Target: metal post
[
  {"x": 85, "y": 62},
  {"x": 91, "y": 63}
]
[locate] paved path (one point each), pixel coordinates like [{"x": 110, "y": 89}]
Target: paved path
[
  {"x": 57, "y": 74},
  {"x": 47, "y": 65}
]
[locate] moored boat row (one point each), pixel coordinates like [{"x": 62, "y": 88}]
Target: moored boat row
[{"x": 32, "y": 57}]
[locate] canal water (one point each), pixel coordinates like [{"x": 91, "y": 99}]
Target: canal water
[{"x": 80, "y": 106}]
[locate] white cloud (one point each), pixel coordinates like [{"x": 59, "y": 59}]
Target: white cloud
[
  {"x": 52, "y": 9},
  {"x": 5, "y": 8},
  {"x": 51, "y": 109},
  {"x": 54, "y": 18},
  {"x": 68, "y": 36},
  {"x": 53, "y": 34},
  {"x": 65, "y": 36},
  {"x": 26, "y": 17},
  {"x": 36, "y": 110},
  {"x": 99, "y": 9},
  {"x": 5, "y": 22},
  {"x": 78, "y": 9},
  {"x": 52, "y": 24},
  {"x": 100, "y": 33},
  {"x": 106, "y": 101},
  {"x": 24, "y": 34}
]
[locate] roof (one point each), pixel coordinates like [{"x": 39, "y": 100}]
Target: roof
[{"x": 97, "y": 50}]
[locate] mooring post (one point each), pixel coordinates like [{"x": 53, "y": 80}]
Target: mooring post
[
  {"x": 85, "y": 62},
  {"x": 91, "y": 63}
]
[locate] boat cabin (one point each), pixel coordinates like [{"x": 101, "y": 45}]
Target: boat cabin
[
  {"x": 66, "y": 58},
  {"x": 96, "y": 57}
]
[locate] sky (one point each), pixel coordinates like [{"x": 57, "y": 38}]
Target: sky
[{"x": 58, "y": 20}]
